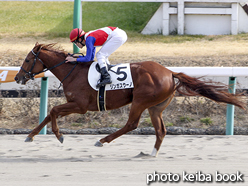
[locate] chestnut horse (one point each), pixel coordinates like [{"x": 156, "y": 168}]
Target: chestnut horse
[{"x": 154, "y": 88}]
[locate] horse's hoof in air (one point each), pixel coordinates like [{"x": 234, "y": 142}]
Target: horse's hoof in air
[
  {"x": 98, "y": 144},
  {"x": 61, "y": 139},
  {"x": 28, "y": 139}
]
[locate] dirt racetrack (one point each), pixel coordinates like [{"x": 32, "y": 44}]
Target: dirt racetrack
[
  {"x": 225, "y": 51},
  {"x": 220, "y": 51},
  {"x": 123, "y": 162},
  {"x": 188, "y": 54}
]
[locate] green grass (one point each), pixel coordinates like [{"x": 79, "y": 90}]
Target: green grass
[
  {"x": 56, "y": 18},
  {"x": 185, "y": 119},
  {"x": 128, "y": 16},
  {"x": 206, "y": 121},
  {"x": 35, "y": 17}
]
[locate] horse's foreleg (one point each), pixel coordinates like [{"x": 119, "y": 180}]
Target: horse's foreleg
[
  {"x": 131, "y": 124},
  {"x": 36, "y": 130},
  {"x": 157, "y": 121},
  {"x": 62, "y": 110}
]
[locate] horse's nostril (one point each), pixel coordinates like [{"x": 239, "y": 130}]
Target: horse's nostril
[{"x": 16, "y": 78}]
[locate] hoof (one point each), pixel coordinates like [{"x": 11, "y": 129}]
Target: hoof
[
  {"x": 28, "y": 139},
  {"x": 98, "y": 144},
  {"x": 61, "y": 139}
]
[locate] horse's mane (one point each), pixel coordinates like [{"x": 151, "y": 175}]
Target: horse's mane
[{"x": 53, "y": 47}]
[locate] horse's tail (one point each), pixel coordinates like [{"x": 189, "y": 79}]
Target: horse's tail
[{"x": 194, "y": 87}]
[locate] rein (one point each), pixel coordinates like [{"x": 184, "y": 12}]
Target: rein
[
  {"x": 67, "y": 75},
  {"x": 31, "y": 75}
]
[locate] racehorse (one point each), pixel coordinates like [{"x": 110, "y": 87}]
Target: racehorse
[{"x": 154, "y": 88}]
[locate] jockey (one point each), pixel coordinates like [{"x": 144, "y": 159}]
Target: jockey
[{"x": 110, "y": 38}]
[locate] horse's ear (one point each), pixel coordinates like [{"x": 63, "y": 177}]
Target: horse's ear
[{"x": 37, "y": 47}]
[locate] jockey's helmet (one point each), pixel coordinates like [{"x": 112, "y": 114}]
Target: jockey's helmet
[{"x": 76, "y": 33}]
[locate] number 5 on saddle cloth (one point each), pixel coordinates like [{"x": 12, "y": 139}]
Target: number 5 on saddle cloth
[{"x": 121, "y": 79}]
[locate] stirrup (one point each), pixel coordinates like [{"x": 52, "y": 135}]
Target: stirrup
[{"x": 101, "y": 83}]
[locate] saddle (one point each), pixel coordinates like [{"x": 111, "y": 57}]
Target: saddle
[
  {"x": 120, "y": 75},
  {"x": 121, "y": 79}
]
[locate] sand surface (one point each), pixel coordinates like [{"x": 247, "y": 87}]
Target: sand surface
[{"x": 122, "y": 162}]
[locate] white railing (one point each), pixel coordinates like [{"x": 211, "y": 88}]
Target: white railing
[
  {"x": 7, "y": 74},
  {"x": 219, "y": 74}
]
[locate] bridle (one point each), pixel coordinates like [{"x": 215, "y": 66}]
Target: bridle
[{"x": 30, "y": 75}]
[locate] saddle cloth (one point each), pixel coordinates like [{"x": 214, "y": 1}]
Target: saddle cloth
[{"x": 120, "y": 75}]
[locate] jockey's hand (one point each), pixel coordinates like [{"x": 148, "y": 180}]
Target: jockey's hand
[{"x": 70, "y": 59}]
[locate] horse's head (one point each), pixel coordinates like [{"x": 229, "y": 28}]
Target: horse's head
[
  {"x": 31, "y": 66},
  {"x": 40, "y": 59}
]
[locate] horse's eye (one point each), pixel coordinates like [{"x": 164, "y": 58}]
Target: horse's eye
[{"x": 26, "y": 60}]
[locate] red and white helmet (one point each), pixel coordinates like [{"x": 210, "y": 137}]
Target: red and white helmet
[{"x": 76, "y": 33}]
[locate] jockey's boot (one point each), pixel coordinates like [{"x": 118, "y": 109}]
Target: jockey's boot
[{"x": 105, "y": 78}]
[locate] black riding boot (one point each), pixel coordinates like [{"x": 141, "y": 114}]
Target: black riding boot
[{"x": 105, "y": 78}]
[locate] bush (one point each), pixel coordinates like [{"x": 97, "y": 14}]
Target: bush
[{"x": 206, "y": 121}]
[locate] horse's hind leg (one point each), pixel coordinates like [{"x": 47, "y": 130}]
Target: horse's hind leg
[
  {"x": 157, "y": 121},
  {"x": 132, "y": 123}
]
